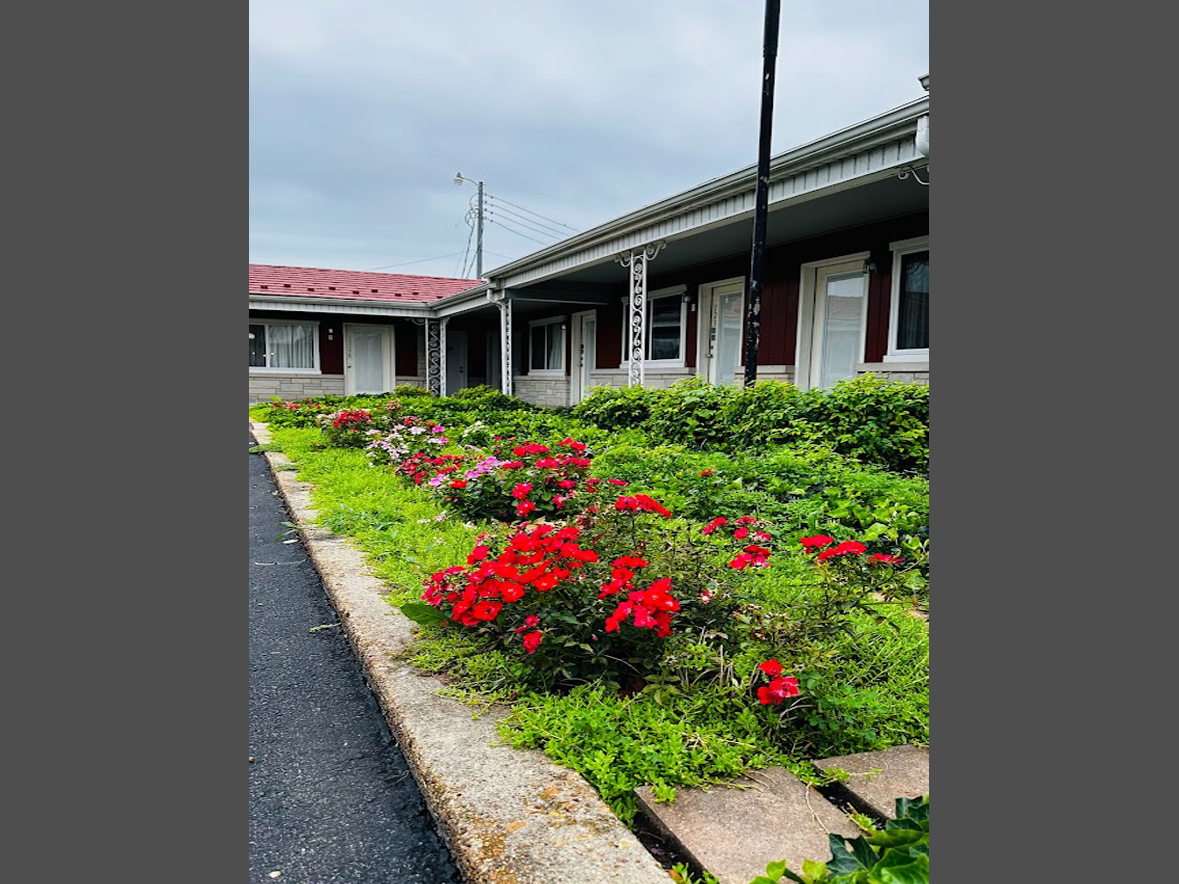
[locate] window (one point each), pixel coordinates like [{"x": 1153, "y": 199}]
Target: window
[
  {"x": 546, "y": 345},
  {"x": 908, "y": 332},
  {"x": 665, "y": 326},
  {"x": 284, "y": 346}
]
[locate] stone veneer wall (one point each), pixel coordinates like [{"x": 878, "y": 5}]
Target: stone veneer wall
[
  {"x": 549, "y": 391},
  {"x": 294, "y": 386},
  {"x": 661, "y": 379},
  {"x": 906, "y": 372}
]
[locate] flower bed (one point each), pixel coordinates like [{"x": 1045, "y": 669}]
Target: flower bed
[{"x": 667, "y": 618}]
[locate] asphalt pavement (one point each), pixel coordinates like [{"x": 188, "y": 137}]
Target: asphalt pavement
[{"x": 331, "y": 798}]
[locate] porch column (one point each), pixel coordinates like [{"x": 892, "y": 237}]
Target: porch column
[
  {"x": 442, "y": 355},
  {"x": 505, "y": 343},
  {"x": 435, "y": 357},
  {"x": 636, "y": 261}
]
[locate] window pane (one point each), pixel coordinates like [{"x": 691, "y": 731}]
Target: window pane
[
  {"x": 663, "y": 328},
  {"x": 292, "y": 346},
  {"x": 538, "y": 347},
  {"x": 913, "y": 322},
  {"x": 258, "y": 345},
  {"x": 556, "y": 345},
  {"x": 843, "y": 311}
]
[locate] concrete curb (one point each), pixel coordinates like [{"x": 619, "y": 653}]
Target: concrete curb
[{"x": 509, "y": 816}]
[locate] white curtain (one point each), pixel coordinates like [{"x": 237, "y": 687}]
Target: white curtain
[{"x": 292, "y": 346}]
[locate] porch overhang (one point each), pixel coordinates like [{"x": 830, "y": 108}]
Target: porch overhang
[{"x": 806, "y": 197}]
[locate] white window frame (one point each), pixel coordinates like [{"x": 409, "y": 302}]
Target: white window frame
[
  {"x": 804, "y": 340},
  {"x": 314, "y": 325},
  {"x": 900, "y": 249},
  {"x": 677, "y": 291},
  {"x": 550, "y": 372}
]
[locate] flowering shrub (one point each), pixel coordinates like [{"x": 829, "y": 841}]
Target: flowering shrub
[
  {"x": 524, "y": 481},
  {"x": 851, "y": 578},
  {"x": 347, "y": 428},
  {"x": 410, "y": 436},
  {"x": 594, "y": 598},
  {"x": 289, "y": 413},
  {"x": 780, "y": 686}
]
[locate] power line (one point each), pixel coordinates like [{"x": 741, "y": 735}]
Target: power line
[
  {"x": 517, "y": 232},
  {"x": 539, "y": 226},
  {"x": 530, "y": 212},
  {"x": 529, "y": 226},
  {"x": 418, "y": 261},
  {"x": 466, "y": 251}
]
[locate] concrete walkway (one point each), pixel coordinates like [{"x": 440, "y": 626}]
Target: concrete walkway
[{"x": 331, "y": 798}]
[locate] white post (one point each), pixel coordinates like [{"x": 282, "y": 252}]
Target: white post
[{"x": 636, "y": 260}]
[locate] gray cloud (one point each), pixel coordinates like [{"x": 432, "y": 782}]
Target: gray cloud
[{"x": 361, "y": 111}]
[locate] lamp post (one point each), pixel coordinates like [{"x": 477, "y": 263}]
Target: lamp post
[{"x": 458, "y": 182}]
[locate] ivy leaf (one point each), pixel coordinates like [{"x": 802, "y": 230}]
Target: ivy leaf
[
  {"x": 427, "y": 615},
  {"x": 901, "y": 868}
]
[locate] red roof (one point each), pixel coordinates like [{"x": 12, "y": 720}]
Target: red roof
[{"x": 353, "y": 285}]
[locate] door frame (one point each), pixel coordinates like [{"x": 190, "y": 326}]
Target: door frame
[
  {"x": 705, "y": 364},
  {"x": 804, "y": 344},
  {"x": 576, "y": 390},
  {"x": 390, "y": 364}
]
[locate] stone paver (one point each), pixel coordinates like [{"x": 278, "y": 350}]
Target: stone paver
[
  {"x": 734, "y": 832},
  {"x": 904, "y": 773}
]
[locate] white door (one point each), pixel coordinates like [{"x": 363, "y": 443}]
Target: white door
[
  {"x": 840, "y": 309},
  {"x": 722, "y": 323},
  {"x": 585, "y": 350},
  {"x": 368, "y": 359},
  {"x": 456, "y": 360}
]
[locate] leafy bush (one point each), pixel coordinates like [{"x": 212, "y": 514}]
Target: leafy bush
[
  {"x": 616, "y": 408},
  {"x": 692, "y": 413},
  {"x": 875, "y": 421},
  {"x": 409, "y": 436},
  {"x": 898, "y": 854},
  {"x": 761, "y": 415}
]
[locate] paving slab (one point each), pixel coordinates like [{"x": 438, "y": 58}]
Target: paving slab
[
  {"x": 903, "y": 772},
  {"x": 734, "y": 831}
]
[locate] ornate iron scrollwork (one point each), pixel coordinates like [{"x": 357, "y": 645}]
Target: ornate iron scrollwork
[
  {"x": 435, "y": 358},
  {"x": 636, "y": 260}
]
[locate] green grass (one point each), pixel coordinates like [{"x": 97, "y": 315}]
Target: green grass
[{"x": 866, "y": 689}]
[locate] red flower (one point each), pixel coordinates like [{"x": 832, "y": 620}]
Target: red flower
[
  {"x": 708, "y": 472},
  {"x": 478, "y": 554},
  {"x": 777, "y": 691},
  {"x": 521, "y": 490},
  {"x": 746, "y": 520},
  {"x": 529, "y": 621},
  {"x": 885, "y": 559},
  {"x": 817, "y": 542},
  {"x": 850, "y": 547},
  {"x": 524, "y": 507},
  {"x": 532, "y": 641},
  {"x": 617, "y": 482},
  {"x": 459, "y": 483},
  {"x": 714, "y": 524},
  {"x": 486, "y": 610},
  {"x": 741, "y": 533},
  {"x": 566, "y": 484},
  {"x": 772, "y": 668}
]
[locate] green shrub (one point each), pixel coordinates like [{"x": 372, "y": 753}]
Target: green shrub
[
  {"x": 692, "y": 413},
  {"x": 875, "y": 421},
  {"x": 761, "y": 415},
  {"x": 615, "y": 408}
]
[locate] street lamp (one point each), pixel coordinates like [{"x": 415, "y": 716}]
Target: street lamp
[{"x": 458, "y": 182}]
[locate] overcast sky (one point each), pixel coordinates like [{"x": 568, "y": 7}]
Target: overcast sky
[{"x": 361, "y": 112}]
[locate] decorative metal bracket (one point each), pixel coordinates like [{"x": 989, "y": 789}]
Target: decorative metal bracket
[
  {"x": 909, "y": 170},
  {"x": 435, "y": 357},
  {"x": 636, "y": 261},
  {"x": 505, "y": 344}
]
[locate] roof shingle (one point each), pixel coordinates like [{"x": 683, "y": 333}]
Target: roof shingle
[{"x": 354, "y": 285}]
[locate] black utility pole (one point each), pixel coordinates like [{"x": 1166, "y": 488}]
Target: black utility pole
[{"x": 757, "y": 264}]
